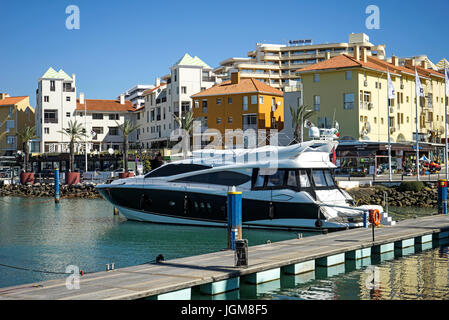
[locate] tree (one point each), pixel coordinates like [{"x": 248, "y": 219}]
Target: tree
[
  {"x": 126, "y": 128},
  {"x": 186, "y": 123},
  {"x": 26, "y": 135},
  {"x": 299, "y": 115},
  {"x": 75, "y": 132}
]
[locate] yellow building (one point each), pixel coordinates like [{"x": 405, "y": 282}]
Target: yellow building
[
  {"x": 353, "y": 91},
  {"x": 15, "y": 114},
  {"x": 240, "y": 104}
]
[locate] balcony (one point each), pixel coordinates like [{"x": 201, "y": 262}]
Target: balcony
[
  {"x": 209, "y": 79},
  {"x": 68, "y": 89}
]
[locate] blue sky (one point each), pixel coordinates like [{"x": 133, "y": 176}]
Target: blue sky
[{"x": 123, "y": 43}]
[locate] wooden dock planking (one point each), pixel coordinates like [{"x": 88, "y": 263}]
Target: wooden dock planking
[{"x": 153, "y": 279}]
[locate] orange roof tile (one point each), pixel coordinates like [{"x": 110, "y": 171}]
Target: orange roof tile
[
  {"x": 11, "y": 100},
  {"x": 347, "y": 61},
  {"x": 104, "y": 105},
  {"x": 244, "y": 86}
]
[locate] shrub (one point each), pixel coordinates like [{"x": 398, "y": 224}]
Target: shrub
[{"x": 415, "y": 186}]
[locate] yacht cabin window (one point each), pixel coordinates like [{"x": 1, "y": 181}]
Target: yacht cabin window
[
  {"x": 318, "y": 178},
  {"x": 292, "y": 179},
  {"x": 304, "y": 179},
  {"x": 277, "y": 179}
]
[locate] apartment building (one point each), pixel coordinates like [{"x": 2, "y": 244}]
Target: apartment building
[
  {"x": 55, "y": 107},
  {"x": 353, "y": 91},
  {"x": 154, "y": 120},
  {"x": 277, "y": 64},
  {"x": 15, "y": 114},
  {"x": 240, "y": 104},
  {"x": 101, "y": 118},
  {"x": 171, "y": 96},
  {"x": 135, "y": 94}
]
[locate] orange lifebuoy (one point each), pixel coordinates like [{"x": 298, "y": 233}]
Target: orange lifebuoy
[{"x": 374, "y": 217}]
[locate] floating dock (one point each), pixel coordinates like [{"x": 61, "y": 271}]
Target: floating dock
[{"x": 215, "y": 273}]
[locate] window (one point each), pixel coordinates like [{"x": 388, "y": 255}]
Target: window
[
  {"x": 114, "y": 116},
  {"x": 261, "y": 100},
  {"x": 52, "y": 85},
  {"x": 67, "y": 98},
  {"x": 218, "y": 120},
  {"x": 329, "y": 178},
  {"x": 184, "y": 90},
  {"x": 47, "y": 130},
  {"x": 230, "y": 120},
  {"x": 97, "y": 116},
  {"x": 249, "y": 122},
  {"x": 67, "y": 114},
  {"x": 218, "y": 101},
  {"x": 316, "y": 77},
  {"x": 291, "y": 179},
  {"x": 50, "y": 116},
  {"x": 277, "y": 179},
  {"x": 224, "y": 178},
  {"x": 204, "y": 106},
  {"x": 254, "y": 99},
  {"x": 316, "y": 103},
  {"x": 11, "y": 111},
  {"x": 304, "y": 179},
  {"x": 113, "y": 131},
  {"x": 245, "y": 103},
  {"x": 97, "y": 130},
  {"x": 318, "y": 178},
  {"x": 174, "y": 169},
  {"x": 10, "y": 140},
  {"x": 229, "y": 100},
  {"x": 197, "y": 104},
  {"x": 348, "y": 101},
  {"x": 348, "y": 75},
  {"x": 324, "y": 123},
  {"x": 46, "y": 99}
]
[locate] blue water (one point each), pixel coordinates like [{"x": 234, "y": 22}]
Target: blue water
[
  {"x": 42, "y": 235},
  {"x": 38, "y": 234}
]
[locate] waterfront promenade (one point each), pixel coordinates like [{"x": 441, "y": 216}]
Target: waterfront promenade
[{"x": 215, "y": 272}]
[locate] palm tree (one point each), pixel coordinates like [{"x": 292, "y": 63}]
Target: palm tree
[
  {"x": 299, "y": 116},
  {"x": 126, "y": 128},
  {"x": 75, "y": 132},
  {"x": 186, "y": 123},
  {"x": 26, "y": 135}
]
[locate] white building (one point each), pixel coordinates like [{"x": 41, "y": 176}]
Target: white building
[
  {"x": 55, "y": 106},
  {"x": 101, "y": 119},
  {"x": 135, "y": 94},
  {"x": 188, "y": 76},
  {"x": 277, "y": 64}
]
